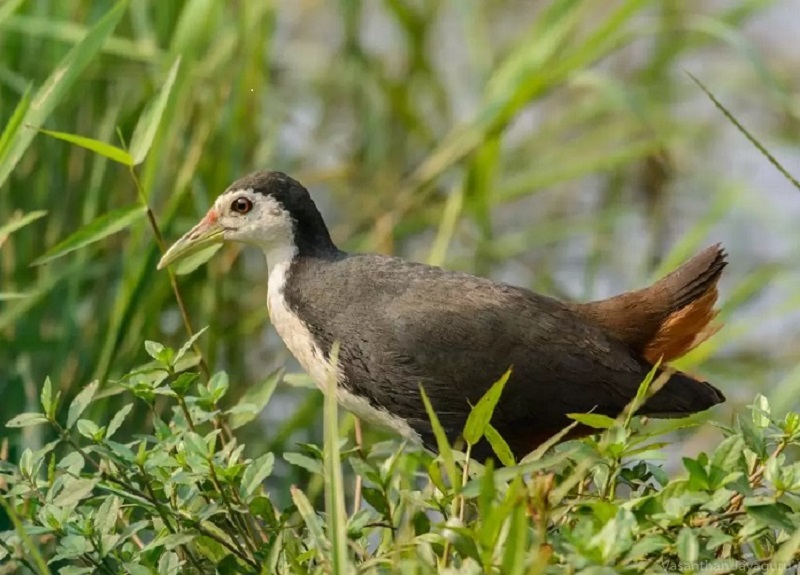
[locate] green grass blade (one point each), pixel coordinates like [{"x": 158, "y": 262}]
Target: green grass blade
[
  {"x": 481, "y": 414},
  {"x": 146, "y": 128},
  {"x": 19, "y": 222},
  {"x": 102, "y": 227},
  {"x": 57, "y": 86},
  {"x": 752, "y": 139},
  {"x": 499, "y": 446},
  {"x": 107, "y": 150},
  {"x": 8, "y": 8},
  {"x": 334, "y": 484},
  {"x": 11, "y": 128},
  {"x": 445, "y": 451},
  {"x": 313, "y": 523},
  {"x": 8, "y": 296},
  {"x": 30, "y": 546}
]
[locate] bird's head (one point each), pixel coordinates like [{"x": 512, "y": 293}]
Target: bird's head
[{"x": 265, "y": 209}]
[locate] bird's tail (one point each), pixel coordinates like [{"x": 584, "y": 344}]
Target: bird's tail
[{"x": 669, "y": 318}]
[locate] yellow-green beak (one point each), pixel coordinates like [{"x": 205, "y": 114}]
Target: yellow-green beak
[{"x": 205, "y": 234}]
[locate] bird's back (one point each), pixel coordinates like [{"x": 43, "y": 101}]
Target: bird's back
[{"x": 401, "y": 324}]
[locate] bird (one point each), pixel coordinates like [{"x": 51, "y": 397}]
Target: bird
[{"x": 376, "y": 328}]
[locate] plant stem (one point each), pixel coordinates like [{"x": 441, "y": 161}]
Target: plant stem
[{"x": 151, "y": 218}]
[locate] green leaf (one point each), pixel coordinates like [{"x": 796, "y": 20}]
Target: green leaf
[
  {"x": 786, "y": 554},
  {"x": 147, "y": 126},
  {"x": 107, "y": 150},
  {"x": 304, "y": 461},
  {"x": 218, "y": 386},
  {"x": 153, "y": 348},
  {"x": 255, "y": 474},
  {"x": 312, "y": 521},
  {"x": 169, "y": 564},
  {"x": 332, "y": 473},
  {"x": 445, "y": 451},
  {"x": 75, "y": 490},
  {"x": 499, "y": 446},
  {"x": 80, "y": 403},
  {"x": 19, "y": 222},
  {"x": 57, "y": 86},
  {"x": 14, "y": 123},
  {"x": 254, "y": 400},
  {"x": 102, "y": 227},
  {"x": 27, "y": 420},
  {"x": 8, "y": 296},
  {"x": 688, "y": 546},
  {"x": 593, "y": 420},
  {"x": 761, "y": 411},
  {"x": 174, "y": 540},
  {"x": 87, "y": 428},
  {"x": 183, "y": 383},
  {"x": 481, "y": 414},
  {"x": 725, "y": 459},
  {"x": 187, "y": 346},
  {"x": 107, "y": 514},
  {"x": 698, "y": 477},
  {"x": 46, "y": 398},
  {"x": 773, "y": 515},
  {"x": 190, "y": 263},
  {"x": 118, "y": 419}
]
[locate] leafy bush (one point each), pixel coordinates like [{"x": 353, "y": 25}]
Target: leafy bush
[{"x": 185, "y": 499}]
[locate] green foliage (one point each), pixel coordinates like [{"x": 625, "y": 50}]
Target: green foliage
[
  {"x": 182, "y": 496},
  {"x": 185, "y": 96}
]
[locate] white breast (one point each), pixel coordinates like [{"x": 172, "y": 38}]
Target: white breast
[{"x": 298, "y": 339}]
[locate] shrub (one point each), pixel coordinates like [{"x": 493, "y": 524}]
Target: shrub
[{"x": 183, "y": 498}]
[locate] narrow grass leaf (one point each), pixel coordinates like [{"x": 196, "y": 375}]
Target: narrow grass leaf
[
  {"x": 445, "y": 451},
  {"x": 195, "y": 260},
  {"x": 759, "y": 146},
  {"x": 57, "y": 86},
  {"x": 12, "y": 295},
  {"x": 8, "y": 8},
  {"x": 107, "y": 150},
  {"x": 481, "y": 414},
  {"x": 14, "y": 122},
  {"x": 19, "y": 222},
  {"x": 593, "y": 420},
  {"x": 499, "y": 445},
  {"x": 104, "y": 226},
  {"x": 28, "y": 543},
  {"x": 447, "y": 226},
  {"x": 334, "y": 483},
  {"x": 539, "y": 452},
  {"x": 312, "y": 522},
  {"x": 146, "y": 128},
  {"x": 254, "y": 400}
]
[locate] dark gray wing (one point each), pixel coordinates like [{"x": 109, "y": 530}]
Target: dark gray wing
[{"x": 400, "y": 324}]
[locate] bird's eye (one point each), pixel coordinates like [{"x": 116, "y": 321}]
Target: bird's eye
[{"x": 241, "y": 205}]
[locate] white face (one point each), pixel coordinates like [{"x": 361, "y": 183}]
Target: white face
[{"x": 253, "y": 218}]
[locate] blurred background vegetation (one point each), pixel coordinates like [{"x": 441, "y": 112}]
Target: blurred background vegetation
[{"x": 557, "y": 145}]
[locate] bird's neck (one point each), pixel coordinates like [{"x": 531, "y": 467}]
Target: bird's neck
[{"x": 279, "y": 260}]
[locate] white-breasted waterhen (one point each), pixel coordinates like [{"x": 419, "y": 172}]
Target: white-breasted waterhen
[{"x": 399, "y": 324}]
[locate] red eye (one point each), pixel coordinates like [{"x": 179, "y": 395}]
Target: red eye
[{"x": 241, "y": 205}]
